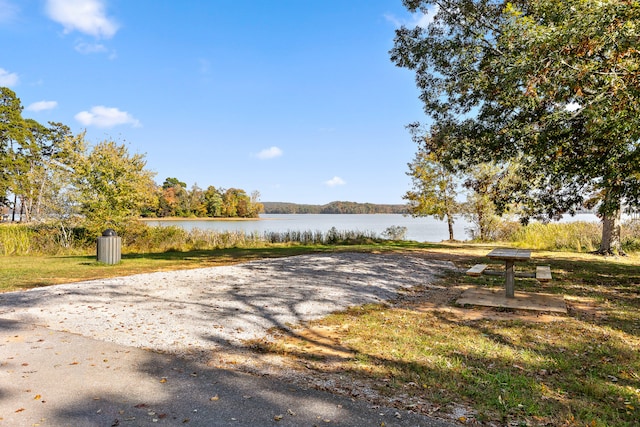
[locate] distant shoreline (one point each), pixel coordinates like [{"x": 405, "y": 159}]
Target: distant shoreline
[{"x": 177, "y": 218}]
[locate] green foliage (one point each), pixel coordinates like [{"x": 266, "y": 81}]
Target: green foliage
[
  {"x": 31, "y": 157},
  {"x": 12, "y": 134},
  {"x": 434, "y": 187},
  {"x": 631, "y": 236},
  {"x": 174, "y": 200},
  {"x": 484, "y": 181},
  {"x": 549, "y": 85},
  {"x": 111, "y": 186},
  {"x": 213, "y": 202}
]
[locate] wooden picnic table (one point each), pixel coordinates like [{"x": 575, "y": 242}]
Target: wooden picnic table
[{"x": 510, "y": 256}]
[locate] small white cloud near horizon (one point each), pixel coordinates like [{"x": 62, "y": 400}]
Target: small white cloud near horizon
[
  {"x": 335, "y": 181},
  {"x": 42, "y": 105},
  {"x": 8, "y": 79},
  {"x": 270, "y": 153},
  {"x": 85, "y": 16},
  {"x": 106, "y": 117}
]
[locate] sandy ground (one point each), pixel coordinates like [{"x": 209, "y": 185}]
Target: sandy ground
[{"x": 191, "y": 312}]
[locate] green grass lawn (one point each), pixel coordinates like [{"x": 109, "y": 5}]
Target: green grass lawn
[{"x": 580, "y": 369}]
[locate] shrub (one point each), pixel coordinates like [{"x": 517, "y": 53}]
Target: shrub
[
  {"x": 631, "y": 235},
  {"x": 395, "y": 232}
]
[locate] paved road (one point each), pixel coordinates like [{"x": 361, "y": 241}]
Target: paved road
[{"x": 54, "y": 378}]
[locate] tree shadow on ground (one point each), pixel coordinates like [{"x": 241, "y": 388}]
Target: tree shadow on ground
[{"x": 59, "y": 378}]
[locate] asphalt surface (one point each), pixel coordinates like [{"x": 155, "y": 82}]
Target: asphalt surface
[{"x": 55, "y": 378}]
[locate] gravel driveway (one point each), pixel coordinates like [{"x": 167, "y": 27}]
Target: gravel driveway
[{"x": 189, "y": 311}]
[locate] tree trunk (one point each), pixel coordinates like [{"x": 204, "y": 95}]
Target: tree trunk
[
  {"x": 450, "y": 224},
  {"x": 611, "y": 226},
  {"x": 15, "y": 203}
]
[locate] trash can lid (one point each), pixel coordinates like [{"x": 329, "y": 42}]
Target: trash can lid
[{"x": 109, "y": 232}]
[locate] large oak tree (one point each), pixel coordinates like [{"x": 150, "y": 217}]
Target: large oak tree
[{"x": 549, "y": 85}]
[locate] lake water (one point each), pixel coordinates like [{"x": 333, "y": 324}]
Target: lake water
[{"x": 425, "y": 229}]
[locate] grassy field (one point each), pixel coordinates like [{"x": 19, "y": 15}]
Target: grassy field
[{"x": 505, "y": 367}]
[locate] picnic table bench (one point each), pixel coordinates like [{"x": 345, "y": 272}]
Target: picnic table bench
[{"x": 510, "y": 256}]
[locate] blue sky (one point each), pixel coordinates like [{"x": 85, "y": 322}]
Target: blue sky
[{"x": 296, "y": 99}]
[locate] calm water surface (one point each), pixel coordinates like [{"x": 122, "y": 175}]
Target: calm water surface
[{"x": 419, "y": 229}]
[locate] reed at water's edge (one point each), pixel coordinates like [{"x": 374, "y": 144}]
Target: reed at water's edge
[{"x": 25, "y": 239}]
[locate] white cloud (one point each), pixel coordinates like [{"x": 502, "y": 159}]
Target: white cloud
[
  {"x": 85, "y": 16},
  {"x": 8, "y": 11},
  {"x": 418, "y": 19},
  {"x": 42, "y": 105},
  {"x": 270, "y": 153},
  {"x": 87, "y": 48},
  {"x": 106, "y": 117},
  {"x": 7, "y": 78},
  {"x": 423, "y": 19},
  {"x": 393, "y": 19},
  {"x": 335, "y": 181}
]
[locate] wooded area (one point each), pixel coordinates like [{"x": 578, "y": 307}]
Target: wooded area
[{"x": 48, "y": 174}]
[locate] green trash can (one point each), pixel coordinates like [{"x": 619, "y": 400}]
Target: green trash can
[{"x": 109, "y": 247}]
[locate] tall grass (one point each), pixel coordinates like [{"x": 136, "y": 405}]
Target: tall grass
[
  {"x": 15, "y": 239},
  {"x": 631, "y": 235},
  {"x": 136, "y": 237},
  {"x": 577, "y": 236},
  {"x": 54, "y": 239}
]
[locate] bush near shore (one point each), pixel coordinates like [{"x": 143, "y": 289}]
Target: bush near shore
[{"x": 43, "y": 239}]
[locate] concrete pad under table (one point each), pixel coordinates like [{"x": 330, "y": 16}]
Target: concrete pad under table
[{"x": 521, "y": 300}]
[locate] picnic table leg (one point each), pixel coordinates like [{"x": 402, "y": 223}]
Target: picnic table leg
[{"x": 509, "y": 275}]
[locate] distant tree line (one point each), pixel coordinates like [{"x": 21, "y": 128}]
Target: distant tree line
[
  {"x": 333, "y": 208},
  {"x": 174, "y": 199}
]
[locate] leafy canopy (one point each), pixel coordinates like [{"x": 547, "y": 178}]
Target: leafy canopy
[{"x": 549, "y": 85}]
